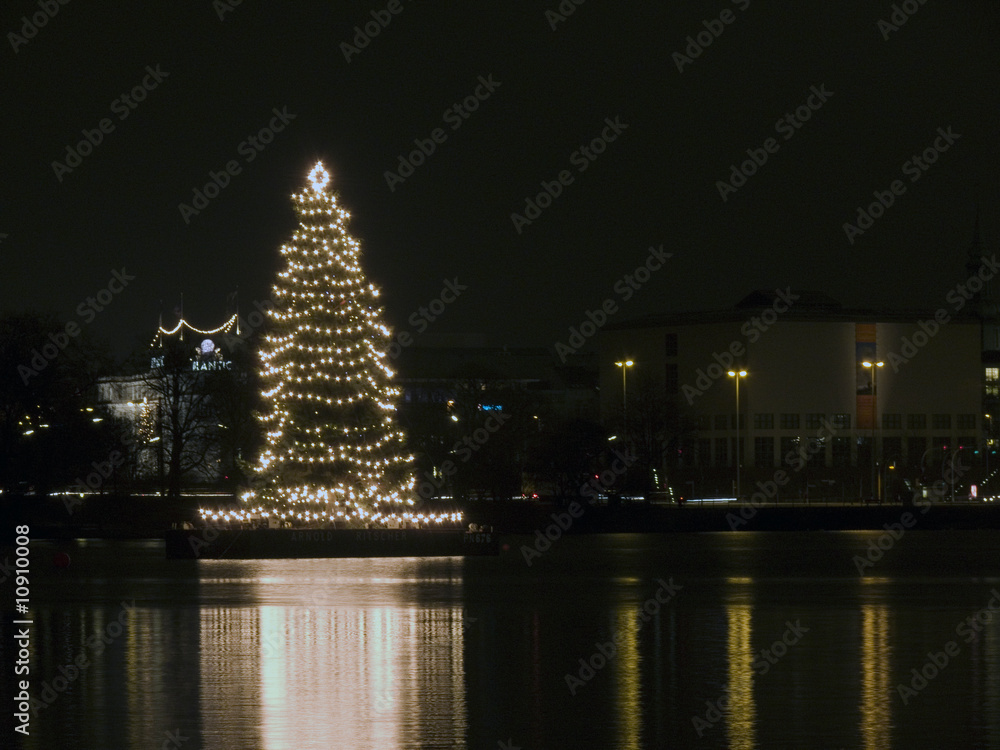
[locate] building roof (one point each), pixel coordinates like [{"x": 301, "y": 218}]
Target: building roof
[{"x": 805, "y": 306}]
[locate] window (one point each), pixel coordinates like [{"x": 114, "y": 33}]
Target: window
[
  {"x": 841, "y": 451},
  {"x": 790, "y": 450},
  {"x": 704, "y": 451},
  {"x": 722, "y": 421},
  {"x": 703, "y": 422},
  {"x": 743, "y": 421},
  {"x": 789, "y": 421},
  {"x": 763, "y": 451},
  {"x": 967, "y": 442},
  {"x": 966, "y": 421},
  {"x": 670, "y": 344},
  {"x": 842, "y": 421},
  {"x": 941, "y": 421},
  {"x": 916, "y": 421},
  {"x": 915, "y": 447},
  {"x": 992, "y": 379},
  {"x": 814, "y": 421},
  {"x": 763, "y": 421},
  {"x": 722, "y": 451},
  {"x": 892, "y": 421},
  {"x": 892, "y": 449},
  {"x": 940, "y": 442},
  {"x": 672, "y": 380}
]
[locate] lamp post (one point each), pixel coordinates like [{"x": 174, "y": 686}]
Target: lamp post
[
  {"x": 873, "y": 366},
  {"x": 624, "y": 364},
  {"x": 736, "y": 375}
]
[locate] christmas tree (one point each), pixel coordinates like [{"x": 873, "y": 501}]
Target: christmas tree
[{"x": 332, "y": 451}]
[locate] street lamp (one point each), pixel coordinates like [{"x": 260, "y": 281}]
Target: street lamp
[
  {"x": 624, "y": 364},
  {"x": 737, "y": 374},
  {"x": 873, "y": 366}
]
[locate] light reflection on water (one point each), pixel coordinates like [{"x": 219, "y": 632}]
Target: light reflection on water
[{"x": 448, "y": 653}]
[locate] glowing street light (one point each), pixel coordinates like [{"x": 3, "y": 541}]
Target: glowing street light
[
  {"x": 873, "y": 366},
  {"x": 624, "y": 364},
  {"x": 737, "y": 375}
]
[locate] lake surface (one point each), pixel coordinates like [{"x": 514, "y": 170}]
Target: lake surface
[{"x": 746, "y": 640}]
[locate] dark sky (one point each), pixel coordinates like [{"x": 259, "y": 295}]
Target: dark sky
[{"x": 655, "y": 184}]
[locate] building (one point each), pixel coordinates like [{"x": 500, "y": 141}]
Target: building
[
  {"x": 173, "y": 422},
  {"x": 808, "y": 402}
]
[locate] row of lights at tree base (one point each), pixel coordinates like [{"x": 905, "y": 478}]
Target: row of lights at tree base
[{"x": 324, "y": 517}]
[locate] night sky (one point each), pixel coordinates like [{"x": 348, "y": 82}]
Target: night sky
[{"x": 656, "y": 183}]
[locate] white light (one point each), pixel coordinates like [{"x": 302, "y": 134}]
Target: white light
[{"x": 319, "y": 177}]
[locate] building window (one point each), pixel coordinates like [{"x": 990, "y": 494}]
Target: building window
[
  {"x": 789, "y": 421},
  {"x": 966, "y": 421},
  {"x": 790, "y": 450},
  {"x": 743, "y": 421},
  {"x": 940, "y": 442},
  {"x": 722, "y": 451},
  {"x": 941, "y": 421},
  {"x": 841, "y": 451},
  {"x": 704, "y": 451},
  {"x": 892, "y": 421},
  {"x": 670, "y": 344},
  {"x": 916, "y": 421},
  {"x": 763, "y": 451},
  {"x": 672, "y": 380},
  {"x": 992, "y": 381},
  {"x": 892, "y": 449},
  {"x": 703, "y": 422},
  {"x": 842, "y": 421},
  {"x": 915, "y": 447},
  {"x": 721, "y": 421},
  {"x": 966, "y": 441},
  {"x": 763, "y": 421},
  {"x": 814, "y": 421}
]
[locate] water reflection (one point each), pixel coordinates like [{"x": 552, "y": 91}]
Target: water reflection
[
  {"x": 742, "y": 714},
  {"x": 876, "y": 686},
  {"x": 378, "y": 674}
]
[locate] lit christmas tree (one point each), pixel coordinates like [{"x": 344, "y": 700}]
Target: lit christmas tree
[{"x": 332, "y": 451}]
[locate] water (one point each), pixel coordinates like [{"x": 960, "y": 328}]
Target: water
[{"x": 453, "y": 653}]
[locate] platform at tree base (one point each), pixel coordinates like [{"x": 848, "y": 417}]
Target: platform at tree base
[{"x": 263, "y": 544}]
